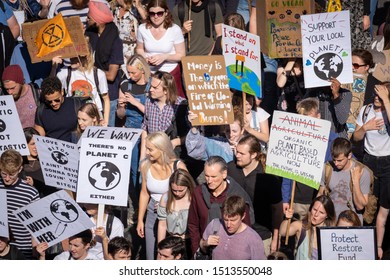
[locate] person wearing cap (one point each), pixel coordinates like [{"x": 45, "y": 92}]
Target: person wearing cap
[
  {"x": 108, "y": 48},
  {"x": 13, "y": 84}
]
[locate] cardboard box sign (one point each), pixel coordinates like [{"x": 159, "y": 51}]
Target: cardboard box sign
[
  {"x": 278, "y": 25},
  {"x": 76, "y": 31}
]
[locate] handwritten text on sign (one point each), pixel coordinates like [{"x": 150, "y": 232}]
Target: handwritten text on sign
[
  {"x": 326, "y": 45},
  {"x": 208, "y": 90},
  {"x": 297, "y": 147},
  {"x": 53, "y": 218}
]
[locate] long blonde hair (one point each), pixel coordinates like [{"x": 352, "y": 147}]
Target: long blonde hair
[{"x": 162, "y": 142}]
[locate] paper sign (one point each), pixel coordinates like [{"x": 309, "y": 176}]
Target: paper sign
[
  {"x": 278, "y": 25},
  {"x": 297, "y": 147},
  {"x": 11, "y": 131},
  {"x": 382, "y": 71},
  {"x": 208, "y": 90},
  {"x": 53, "y": 218},
  {"x": 3, "y": 214},
  {"x": 75, "y": 27},
  {"x": 241, "y": 51},
  {"x": 346, "y": 243},
  {"x": 326, "y": 45},
  {"x": 104, "y": 171}
]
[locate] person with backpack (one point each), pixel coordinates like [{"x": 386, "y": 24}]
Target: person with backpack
[
  {"x": 26, "y": 96},
  {"x": 372, "y": 126},
  {"x": 200, "y": 25},
  {"x": 347, "y": 181}
]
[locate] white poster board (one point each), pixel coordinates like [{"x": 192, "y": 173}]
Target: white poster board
[
  {"x": 346, "y": 243},
  {"x": 59, "y": 162},
  {"x": 11, "y": 131},
  {"x": 3, "y": 214},
  {"x": 241, "y": 51},
  {"x": 104, "y": 171},
  {"x": 297, "y": 147},
  {"x": 53, "y": 218},
  {"x": 326, "y": 48}
]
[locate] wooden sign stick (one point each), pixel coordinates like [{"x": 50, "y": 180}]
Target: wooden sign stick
[
  {"x": 100, "y": 217},
  {"x": 289, "y": 220},
  {"x": 189, "y": 18}
]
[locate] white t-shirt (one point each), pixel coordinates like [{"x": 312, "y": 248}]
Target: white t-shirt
[
  {"x": 64, "y": 256},
  {"x": 173, "y": 36},
  {"x": 376, "y": 143},
  {"x": 261, "y": 115},
  {"x": 88, "y": 77},
  {"x": 117, "y": 230}
]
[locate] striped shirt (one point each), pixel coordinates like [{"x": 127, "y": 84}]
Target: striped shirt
[
  {"x": 65, "y": 8},
  {"x": 19, "y": 195}
]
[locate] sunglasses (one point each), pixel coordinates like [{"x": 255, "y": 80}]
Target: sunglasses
[
  {"x": 57, "y": 100},
  {"x": 357, "y": 66},
  {"x": 159, "y": 14}
]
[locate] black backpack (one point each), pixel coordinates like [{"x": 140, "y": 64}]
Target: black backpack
[{"x": 7, "y": 43}]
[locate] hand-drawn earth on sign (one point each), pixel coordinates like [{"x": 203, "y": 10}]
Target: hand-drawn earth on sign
[
  {"x": 328, "y": 65},
  {"x": 240, "y": 78},
  {"x": 104, "y": 175}
]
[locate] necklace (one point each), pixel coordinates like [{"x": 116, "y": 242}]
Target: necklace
[{"x": 31, "y": 163}]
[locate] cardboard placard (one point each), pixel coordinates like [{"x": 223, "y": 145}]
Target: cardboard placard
[
  {"x": 59, "y": 162},
  {"x": 53, "y": 218},
  {"x": 382, "y": 71},
  {"x": 11, "y": 131},
  {"x": 326, "y": 46},
  {"x": 278, "y": 25},
  {"x": 208, "y": 90},
  {"x": 346, "y": 243},
  {"x": 297, "y": 147},
  {"x": 75, "y": 28},
  {"x": 241, "y": 51}
]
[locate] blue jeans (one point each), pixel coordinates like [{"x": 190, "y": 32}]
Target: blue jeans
[
  {"x": 113, "y": 105},
  {"x": 151, "y": 230}
]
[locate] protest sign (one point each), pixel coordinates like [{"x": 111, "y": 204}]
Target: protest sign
[
  {"x": 104, "y": 171},
  {"x": 3, "y": 214},
  {"x": 11, "y": 131},
  {"x": 326, "y": 47},
  {"x": 241, "y": 51},
  {"x": 208, "y": 92},
  {"x": 382, "y": 71},
  {"x": 53, "y": 218},
  {"x": 59, "y": 162},
  {"x": 116, "y": 133},
  {"x": 76, "y": 31},
  {"x": 297, "y": 147},
  {"x": 278, "y": 25},
  {"x": 346, "y": 243}
]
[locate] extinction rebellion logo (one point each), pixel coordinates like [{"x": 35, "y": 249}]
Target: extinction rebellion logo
[{"x": 53, "y": 35}]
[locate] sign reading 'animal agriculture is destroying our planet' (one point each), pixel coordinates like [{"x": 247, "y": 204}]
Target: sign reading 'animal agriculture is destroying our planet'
[
  {"x": 297, "y": 147},
  {"x": 326, "y": 45},
  {"x": 241, "y": 51},
  {"x": 53, "y": 218},
  {"x": 104, "y": 171},
  {"x": 59, "y": 162},
  {"x": 208, "y": 91}
]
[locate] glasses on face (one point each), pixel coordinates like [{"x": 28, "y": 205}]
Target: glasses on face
[
  {"x": 357, "y": 65},
  {"x": 11, "y": 176},
  {"x": 49, "y": 102},
  {"x": 159, "y": 14}
]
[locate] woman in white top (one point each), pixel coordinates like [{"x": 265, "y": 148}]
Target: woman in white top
[
  {"x": 161, "y": 41},
  {"x": 156, "y": 170}
]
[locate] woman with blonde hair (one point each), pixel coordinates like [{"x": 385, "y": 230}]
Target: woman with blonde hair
[{"x": 156, "y": 169}]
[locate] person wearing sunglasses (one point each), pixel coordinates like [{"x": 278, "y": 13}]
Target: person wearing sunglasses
[
  {"x": 161, "y": 42},
  {"x": 18, "y": 194},
  {"x": 57, "y": 116},
  {"x": 362, "y": 62}
]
